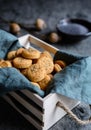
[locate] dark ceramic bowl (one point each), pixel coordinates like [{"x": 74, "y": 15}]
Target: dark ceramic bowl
[{"x": 74, "y": 30}]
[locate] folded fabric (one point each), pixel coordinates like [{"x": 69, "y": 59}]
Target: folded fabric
[
  {"x": 8, "y": 42},
  {"x": 73, "y": 81},
  {"x": 10, "y": 78}
]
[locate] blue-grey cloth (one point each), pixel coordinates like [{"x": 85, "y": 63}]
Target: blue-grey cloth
[
  {"x": 10, "y": 78},
  {"x": 73, "y": 81}
]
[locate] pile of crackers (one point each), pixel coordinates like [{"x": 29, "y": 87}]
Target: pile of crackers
[{"x": 36, "y": 66}]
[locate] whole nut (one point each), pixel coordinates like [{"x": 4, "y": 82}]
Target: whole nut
[
  {"x": 40, "y": 24},
  {"x": 14, "y": 28},
  {"x": 53, "y": 37}
]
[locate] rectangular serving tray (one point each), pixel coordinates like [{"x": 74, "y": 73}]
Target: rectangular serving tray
[{"x": 41, "y": 112}]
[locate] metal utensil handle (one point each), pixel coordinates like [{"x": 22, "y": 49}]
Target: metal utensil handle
[{"x": 72, "y": 115}]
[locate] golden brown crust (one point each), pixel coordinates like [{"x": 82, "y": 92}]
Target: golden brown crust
[
  {"x": 19, "y": 51},
  {"x": 44, "y": 82},
  {"x": 24, "y": 71},
  {"x": 47, "y": 63},
  {"x": 51, "y": 76},
  {"x": 36, "y": 84},
  {"x": 57, "y": 68},
  {"x": 8, "y": 63},
  {"x": 22, "y": 63},
  {"x": 61, "y": 63},
  {"x": 11, "y": 55},
  {"x": 31, "y": 54},
  {"x": 36, "y": 73},
  {"x": 36, "y": 66},
  {"x": 26, "y": 54},
  {"x": 46, "y": 54},
  {"x": 4, "y": 64},
  {"x": 1, "y": 60}
]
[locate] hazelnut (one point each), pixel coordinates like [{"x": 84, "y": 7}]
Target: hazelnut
[
  {"x": 14, "y": 28},
  {"x": 53, "y": 37},
  {"x": 40, "y": 24}
]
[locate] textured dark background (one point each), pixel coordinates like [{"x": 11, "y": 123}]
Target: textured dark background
[{"x": 27, "y": 11}]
